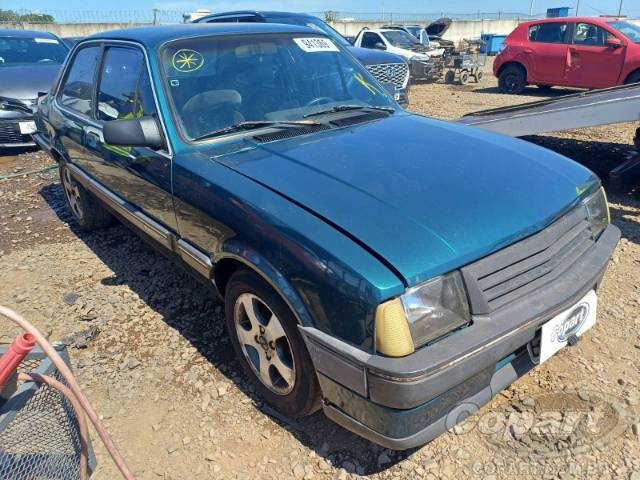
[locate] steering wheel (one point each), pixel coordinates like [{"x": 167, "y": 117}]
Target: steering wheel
[{"x": 319, "y": 101}]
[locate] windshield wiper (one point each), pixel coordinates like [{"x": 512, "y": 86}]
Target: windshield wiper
[
  {"x": 252, "y": 125},
  {"x": 347, "y": 107}
]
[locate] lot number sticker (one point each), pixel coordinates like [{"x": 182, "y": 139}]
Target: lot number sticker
[{"x": 316, "y": 44}]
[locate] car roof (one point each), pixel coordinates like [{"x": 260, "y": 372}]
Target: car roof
[
  {"x": 263, "y": 13},
  {"x": 15, "y": 32},
  {"x": 572, "y": 19},
  {"x": 152, "y": 36}
]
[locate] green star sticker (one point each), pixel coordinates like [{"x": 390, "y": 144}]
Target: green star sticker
[{"x": 187, "y": 60}]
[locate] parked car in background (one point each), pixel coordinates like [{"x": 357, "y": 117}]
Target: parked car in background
[
  {"x": 29, "y": 63},
  {"x": 401, "y": 43},
  {"x": 581, "y": 52},
  {"x": 386, "y": 67},
  {"x": 436, "y": 30},
  {"x": 421, "y": 35},
  {"x": 396, "y": 287}
]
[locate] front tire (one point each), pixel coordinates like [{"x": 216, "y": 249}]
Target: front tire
[
  {"x": 87, "y": 210},
  {"x": 264, "y": 334},
  {"x": 633, "y": 78},
  {"x": 512, "y": 80}
]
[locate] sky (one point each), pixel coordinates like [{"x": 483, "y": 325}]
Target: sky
[{"x": 587, "y": 7}]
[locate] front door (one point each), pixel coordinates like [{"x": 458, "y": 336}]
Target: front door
[
  {"x": 546, "y": 52},
  {"x": 140, "y": 175},
  {"x": 590, "y": 62}
]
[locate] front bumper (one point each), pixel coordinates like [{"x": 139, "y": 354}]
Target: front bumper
[
  {"x": 425, "y": 70},
  {"x": 10, "y": 135},
  {"x": 402, "y": 403}
]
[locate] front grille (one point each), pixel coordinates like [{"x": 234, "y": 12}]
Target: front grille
[
  {"x": 395, "y": 73},
  {"x": 10, "y": 133},
  {"x": 528, "y": 265}
]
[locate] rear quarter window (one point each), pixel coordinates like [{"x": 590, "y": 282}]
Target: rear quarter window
[{"x": 555, "y": 32}]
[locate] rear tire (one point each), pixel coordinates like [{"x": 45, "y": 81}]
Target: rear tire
[
  {"x": 512, "y": 80},
  {"x": 86, "y": 209},
  {"x": 479, "y": 76},
  {"x": 633, "y": 78},
  {"x": 265, "y": 336},
  {"x": 464, "y": 77},
  {"x": 450, "y": 76}
]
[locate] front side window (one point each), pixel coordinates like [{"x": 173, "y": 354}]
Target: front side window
[
  {"x": 77, "y": 89},
  {"x": 218, "y": 82},
  {"x": 124, "y": 89},
  {"x": 370, "y": 40},
  {"x": 629, "y": 30},
  {"x": 31, "y": 51},
  {"x": 590, "y": 35},
  {"x": 400, "y": 39},
  {"x": 554, "y": 32}
]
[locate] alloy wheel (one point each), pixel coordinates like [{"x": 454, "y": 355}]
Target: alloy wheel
[
  {"x": 72, "y": 192},
  {"x": 265, "y": 344}
]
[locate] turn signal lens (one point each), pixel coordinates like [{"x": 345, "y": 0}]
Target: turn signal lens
[
  {"x": 393, "y": 337},
  {"x": 598, "y": 211}
]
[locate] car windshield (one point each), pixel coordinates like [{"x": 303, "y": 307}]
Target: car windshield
[
  {"x": 220, "y": 82},
  {"x": 311, "y": 22},
  {"x": 27, "y": 51},
  {"x": 400, "y": 39},
  {"x": 629, "y": 30}
]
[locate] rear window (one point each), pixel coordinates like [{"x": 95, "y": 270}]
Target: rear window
[
  {"x": 555, "y": 32},
  {"x": 29, "y": 51}
]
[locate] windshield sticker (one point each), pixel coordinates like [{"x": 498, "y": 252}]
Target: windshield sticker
[
  {"x": 316, "y": 44},
  {"x": 372, "y": 88},
  {"x": 187, "y": 60},
  {"x": 46, "y": 40}
]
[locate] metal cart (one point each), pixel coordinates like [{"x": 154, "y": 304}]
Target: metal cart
[{"x": 464, "y": 65}]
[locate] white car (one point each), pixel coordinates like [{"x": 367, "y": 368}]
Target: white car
[{"x": 401, "y": 43}]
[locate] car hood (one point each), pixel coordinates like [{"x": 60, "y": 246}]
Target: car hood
[
  {"x": 439, "y": 27},
  {"x": 23, "y": 82},
  {"x": 369, "y": 56},
  {"x": 425, "y": 196}
]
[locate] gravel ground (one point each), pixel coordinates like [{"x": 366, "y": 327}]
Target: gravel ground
[{"x": 148, "y": 346}]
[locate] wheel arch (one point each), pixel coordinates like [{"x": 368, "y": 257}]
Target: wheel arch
[
  {"x": 245, "y": 258},
  {"x": 636, "y": 71},
  {"x": 514, "y": 63}
]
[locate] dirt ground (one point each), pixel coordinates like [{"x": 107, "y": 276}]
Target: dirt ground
[{"x": 149, "y": 347}]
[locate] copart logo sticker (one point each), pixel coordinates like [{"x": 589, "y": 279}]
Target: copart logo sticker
[{"x": 187, "y": 60}]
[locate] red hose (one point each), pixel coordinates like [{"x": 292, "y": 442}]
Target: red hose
[
  {"x": 14, "y": 355},
  {"x": 65, "y": 371}
]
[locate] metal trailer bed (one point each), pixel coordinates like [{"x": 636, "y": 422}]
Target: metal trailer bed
[{"x": 586, "y": 109}]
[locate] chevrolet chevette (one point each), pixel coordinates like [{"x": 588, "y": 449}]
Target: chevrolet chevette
[{"x": 396, "y": 287}]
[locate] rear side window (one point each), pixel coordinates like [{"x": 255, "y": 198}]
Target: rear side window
[
  {"x": 590, "y": 34},
  {"x": 555, "y": 32},
  {"x": 124, "y": 90},
  {"x": 370, "y": 39},
  {"x": 77, "y": 90}
]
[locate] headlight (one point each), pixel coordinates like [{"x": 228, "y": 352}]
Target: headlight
[
  {"x": 423, "y": 314},
  {"x": 598, "y": 211}
]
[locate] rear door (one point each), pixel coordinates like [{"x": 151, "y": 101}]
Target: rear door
[
  {"x": 590, "y": 62},
  {"x": 139, "y": 175},
  {"x": 546, "y": 52}
]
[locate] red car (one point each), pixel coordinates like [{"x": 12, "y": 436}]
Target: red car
[{"x": 582, "y": 52}]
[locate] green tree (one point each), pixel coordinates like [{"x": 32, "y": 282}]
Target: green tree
[{"x": 10, "y": 16}]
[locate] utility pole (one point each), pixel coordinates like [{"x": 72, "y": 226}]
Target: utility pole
[
  {"x": 578, "y": 9},
  {"x": 620, "y": 9},
  {"x": 531, "y": 8}
]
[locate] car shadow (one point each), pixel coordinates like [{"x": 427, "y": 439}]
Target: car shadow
[
  {"x": 188, "y": 306},
  {"x": 533, "y": 92}
]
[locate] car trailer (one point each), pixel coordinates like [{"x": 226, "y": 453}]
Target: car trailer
[{"x": 585, "y": 109}]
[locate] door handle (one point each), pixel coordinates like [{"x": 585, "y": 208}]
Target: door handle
[{"x": 95, "y": 133}]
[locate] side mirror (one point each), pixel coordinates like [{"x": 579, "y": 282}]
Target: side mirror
[
  {"x": 614, "y": 42},
  {"x": 379, "y": 46},
  {"x": 133, "y": 132}
]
